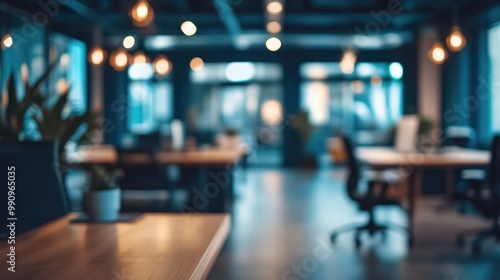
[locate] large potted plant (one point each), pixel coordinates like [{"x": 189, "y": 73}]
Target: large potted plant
[{"x": 103, "y": 199}]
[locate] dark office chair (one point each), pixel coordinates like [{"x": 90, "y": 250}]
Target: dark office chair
[
  {"x": 472, "y": 179},
  {"x": 40, "y": 195},
  {"x": 369, "y": 200},
  {"x": 488, "y": 205}
]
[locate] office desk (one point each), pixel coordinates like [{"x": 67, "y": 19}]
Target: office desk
[
  {"x": 156, "y": 246},
  {"x": 412, "y": 164},
  {"x": 212, "y": 169},
  {"x": 107, "y": 155}
]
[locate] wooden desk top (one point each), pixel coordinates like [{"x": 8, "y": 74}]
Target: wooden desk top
[
  {"x": 156, "y": 246},
  {"x": 108, "y": 155},
  {"x": 386, "y": 157}
]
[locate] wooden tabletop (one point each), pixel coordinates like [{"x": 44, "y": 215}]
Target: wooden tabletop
[
  {"x": 108, "y": 155},
  {"x": 156, "y": 246},
  {"x": 385, "y": 157}
]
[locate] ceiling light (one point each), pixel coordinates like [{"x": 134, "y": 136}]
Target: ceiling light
[
  {"x": 97, "y": 56},
  {"x": 188, "y": 28},
  {"x": 437, "y": 53},
  {"x": 396, "y": 70},
  {"x": 273, "y": 44},
  {"x": 162, "y": 65},
  {"x": 140, "y": 58},
  {"x": 143, "y": 71},
  {"x": 119, "y": 59},
  {"x": 7, "y": 41},
  {"x": 142, "y": 14},
  {"x": 240, "y": 71},
  {"x": 273, "y": 27},
  {"x": 456, "y": 40},
  {"x": 196, "y": 64},
  {"x": 129, "y": 42},
  {"x": 275, "y": 7}
]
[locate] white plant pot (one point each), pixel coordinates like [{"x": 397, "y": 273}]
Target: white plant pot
[
  {"x": 104, "y": 205},
  {"x": 226, "y": 142}
]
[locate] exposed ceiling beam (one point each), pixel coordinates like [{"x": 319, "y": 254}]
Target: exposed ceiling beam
[{"x": 227, "y": 16}]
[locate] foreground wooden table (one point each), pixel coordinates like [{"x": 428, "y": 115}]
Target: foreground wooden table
[
  {"x": 412, "y": 164},
  {"x": 156, "y": 246}
]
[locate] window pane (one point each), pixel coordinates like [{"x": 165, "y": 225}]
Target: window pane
[{"x": 494, "y": 52}]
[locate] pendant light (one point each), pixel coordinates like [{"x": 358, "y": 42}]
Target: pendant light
[
  {"x": 142, "y": 14},
  {"x": 438, "y": 53},
  {"x": 456, "y": 40}
]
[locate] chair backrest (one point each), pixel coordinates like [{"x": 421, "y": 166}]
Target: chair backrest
[
  {"x": 40, "y": 195},
  {"x": 353, "y": 167},
  {"x": 494, "y": 170}
]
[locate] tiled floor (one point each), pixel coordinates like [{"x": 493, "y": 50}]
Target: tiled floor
[{"x": 282, "y": 220}]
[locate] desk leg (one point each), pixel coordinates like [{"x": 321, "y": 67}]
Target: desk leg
[
  {"x": 450, "y": 188},
  {"x": 217, "y": 187},
  {"x": 411, "y": 205}
]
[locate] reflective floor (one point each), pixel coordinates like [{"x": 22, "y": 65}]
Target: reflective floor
[{"x": 283, "y": 218}]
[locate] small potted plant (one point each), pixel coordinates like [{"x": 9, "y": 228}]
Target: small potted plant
[
  {"x": 103, "y": 200},
  {"x": 230, "y": 139}
]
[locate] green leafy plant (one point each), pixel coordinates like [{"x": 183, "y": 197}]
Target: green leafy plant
[
  {"x": 103, "y": 179},
  {"x": 13, "y": 112},
  {"x": 54, "y": 125},
  {"x": 425, "y": 127}
]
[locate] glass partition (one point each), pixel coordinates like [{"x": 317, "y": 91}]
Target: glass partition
[
  {"x": 245, "y": 96},
  {"x": 366, "y": 103}
]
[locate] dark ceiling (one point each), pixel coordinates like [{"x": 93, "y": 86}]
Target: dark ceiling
[{"x": 77, "y": 17}]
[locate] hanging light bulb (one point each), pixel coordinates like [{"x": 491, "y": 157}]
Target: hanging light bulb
[
  {"x": 162, "y": 65},
  {"x": 142, "y": 14},
  {"x": 140, "y": 58},
  {"x": 437, "y": 53},
  {"x": 196, "y": 64},
  {"x": 128, "y": 42},
  {"x": 456, "y": 40},
  {"x": 188, "y": 28},
  {"x": 274, "y": 7},
  {"x": 348, "y": 62},
  {"x": 273, "y": 44},
  {"x": 119, "y": 59},
  {"x": 7, "y": 41},
  {"x": 273, "y": 27},
  {"x": 97, "y": 56}
]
